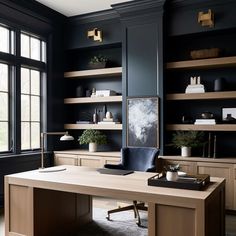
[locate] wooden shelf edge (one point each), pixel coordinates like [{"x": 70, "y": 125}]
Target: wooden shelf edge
[
  {"x": 92, "y": 100},
  {"x": 94, "y": 126},
  {"x": 94, "y": 73},
  {"x": 217, "y": 127},
  {"x": 203, "y": 63},
  {"x": 202, "y": 96}
]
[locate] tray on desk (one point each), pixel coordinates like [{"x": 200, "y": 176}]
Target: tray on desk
[{"x": 192, "y": 182}]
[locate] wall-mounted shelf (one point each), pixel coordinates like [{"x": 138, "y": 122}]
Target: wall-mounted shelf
[
  {"x": 217, "y": 127},
  {"x": 106, "y": 72},
  {"x": 203, "y": 63},
  {"x": 84, "y": 100},
  {"x": 202, "y": 96},
  {"x": 94, "y": 126}
]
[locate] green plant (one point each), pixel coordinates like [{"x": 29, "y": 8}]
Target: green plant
[
  {"x": 188, "y": 139},
  {"x": 172, "y": 168},
  {"x": 97, "y": 59},
  {"x": 92, "y": 136}
]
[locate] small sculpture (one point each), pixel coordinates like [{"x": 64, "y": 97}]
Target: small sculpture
[{"x": 195, "y": 85}]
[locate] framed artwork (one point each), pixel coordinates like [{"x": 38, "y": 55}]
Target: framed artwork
[
  {"x": 143, "y": 121},
  {"x": 228, "y": 114}
]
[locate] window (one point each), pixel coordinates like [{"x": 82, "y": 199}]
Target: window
[
  {"x": 20, "y": 89},
  {"x": 4, "y": 108}
]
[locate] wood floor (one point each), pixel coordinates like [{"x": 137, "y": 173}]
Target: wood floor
[{"x": 111, "y": 203}]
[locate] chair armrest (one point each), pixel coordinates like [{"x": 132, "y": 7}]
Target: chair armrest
[
  {"x": 152, "y": 169},
  {"x": 111, "y": 166}
]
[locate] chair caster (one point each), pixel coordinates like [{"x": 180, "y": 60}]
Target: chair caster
[{"x": 108, "y": 217}]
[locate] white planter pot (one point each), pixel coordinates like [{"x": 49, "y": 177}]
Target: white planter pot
[
  {"x": 92, "y": 147},
  {"x": 172, "y": 176},
  {"x": 186, "y": 151}
]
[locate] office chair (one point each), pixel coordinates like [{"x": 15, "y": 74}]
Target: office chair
[{"x": 137, "y": 159}]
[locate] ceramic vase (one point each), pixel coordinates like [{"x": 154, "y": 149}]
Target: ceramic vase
[
  {"x": 186, "y": 151},
  {"x": 171, "y": 175},
  {"x": 92, "y": 147}
]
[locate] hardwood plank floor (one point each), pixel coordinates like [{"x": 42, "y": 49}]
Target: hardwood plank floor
[{"x": 111, "y": 203}]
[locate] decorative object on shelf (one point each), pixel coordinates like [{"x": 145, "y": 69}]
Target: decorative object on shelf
[
  {"x": 104, "y": 93},
  {"x": 172, "y": 172},
  {"x": 206, "y": 19},
  {"x": 187, "y": 120},
  {"x": 65, "y": 137},
  {"x": 109, "y": 119},
  {"x": 214, "y": 147},
  {"x": 88, "y": 93},
  {"x": 219, "y": 84},
  {"x": 95, "y": 116},
  {"x": 187, "y": 140},
  {"x": 229, "y": 115},
  {"x": 207, "y": 115},
  {"x": 80, "y": 91},
  {"x": 93, "y": 138},
  {"x": 93, "y": 92},
  {"x": 143, "y": 121},
  {"x": 205, "y": 53},
  {"x": 209, "y": 145},
  {"x": 98, "y": 62},
  {"x": 206, "y": 119},
  {"x": 95, "y": 34},
  {"x": 195, "y": 86}
]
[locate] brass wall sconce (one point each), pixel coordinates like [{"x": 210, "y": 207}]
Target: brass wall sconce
[
  {"x": 95, "y": 34},
  {"x": 206, "y": 19}
]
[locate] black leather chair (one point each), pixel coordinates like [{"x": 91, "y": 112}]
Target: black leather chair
[{"x": 137, "y": 159}]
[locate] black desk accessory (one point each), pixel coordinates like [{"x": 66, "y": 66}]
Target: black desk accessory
[
  {"x": 191, "y": 182},
  {"x": 114, "y": 171}
]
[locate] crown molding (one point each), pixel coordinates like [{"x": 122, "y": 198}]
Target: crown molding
[{"x": 94, "y": 17}]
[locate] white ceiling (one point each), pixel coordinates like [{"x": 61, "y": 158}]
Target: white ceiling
[{"x": 78, "y": 7}]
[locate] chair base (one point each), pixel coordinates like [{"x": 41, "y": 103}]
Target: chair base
[{"x": 135, "y": 207}]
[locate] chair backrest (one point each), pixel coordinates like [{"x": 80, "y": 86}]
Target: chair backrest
[{"x": 139, "y": 158}]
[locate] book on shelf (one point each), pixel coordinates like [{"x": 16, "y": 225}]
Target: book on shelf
[
  {"x": 104, "y": 93},
  {"x": 83, "y": 122},
  {"x": 198, "y": 88},
  {"x": 108, "y": 122},
  {"x": 205, "y": 122}
]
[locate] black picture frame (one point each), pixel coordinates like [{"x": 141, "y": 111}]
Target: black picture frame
[{"x": 142, "y": 121}]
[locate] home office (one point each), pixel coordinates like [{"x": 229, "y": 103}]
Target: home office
[{"x": 136, "y": 74}]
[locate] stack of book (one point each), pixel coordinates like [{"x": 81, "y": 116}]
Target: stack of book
[
  {"x": 196, "y": 88},
  {"x": 205, "y": 122},
  {"x": 108, "y": 121}
]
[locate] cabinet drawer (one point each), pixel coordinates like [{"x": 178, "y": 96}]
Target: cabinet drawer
[
  {"x": 65, "y": 159},
  {"x": 114, "y": 161},
  {"x": 90, "y": 161},
  {"x": 223, "y": 171}
]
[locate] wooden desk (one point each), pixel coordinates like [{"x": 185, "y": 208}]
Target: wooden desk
[{"x": 57, "y": 203}]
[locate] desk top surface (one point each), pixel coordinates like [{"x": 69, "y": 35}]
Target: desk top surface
[{"x": 86, "y": 180}]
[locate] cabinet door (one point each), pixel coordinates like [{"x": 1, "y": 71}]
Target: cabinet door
[
  {"x": 110, "y": 160},
  {"x": 185, "y": 166},
  {"x": 65, "y": 159},
  {"x": 223, "y": 171},
  {"x": 90, "y": 161}
]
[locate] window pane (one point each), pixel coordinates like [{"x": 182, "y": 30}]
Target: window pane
[
  {"x": 35, "y": 134},
  {"x": 4, "y": 39},
  {"x": 35, "y": 108},
  {"x": 35, "y": 82},
  {"x": 4, "y": 136},
  {"x": 25, "y": 81},
  {"x": 25, "y": 45},
  {"x": 3, "y": 77},
  {"x": 3, "y": 106},
  {"x": 25, "y": 108},
  {"x": 25, "y": 135},
  {"x": 43, "y": 52},
  {"x": 35, "y": 49}
]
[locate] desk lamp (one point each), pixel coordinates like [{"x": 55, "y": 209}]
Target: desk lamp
[{"x": 65, "y": 137}]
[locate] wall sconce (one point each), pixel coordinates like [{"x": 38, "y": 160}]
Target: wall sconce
[
  {"x": 206, "y": 19},
  {"x": 65, "y": 137},
  {"x": 95, "y": 34}
]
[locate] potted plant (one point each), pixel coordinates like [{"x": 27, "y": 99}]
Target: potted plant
[
  {"x": 93, "y": 138},
  {"x": 97, "y": 62},
  {"x": 172, "y": 172},
  {"x": 187, "y": 140}
]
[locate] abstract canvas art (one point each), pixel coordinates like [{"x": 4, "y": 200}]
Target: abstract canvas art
[{"x": 142, "y": 122}]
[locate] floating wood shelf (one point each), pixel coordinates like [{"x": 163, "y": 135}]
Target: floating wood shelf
[
  {"x": 94, "y": 126},
  {"x": 202, "y": 96},
  {"x": 203, "y": 63},
  {"x": 106, "y": 72},
  {"x": 92, "y": 100},
  {"x": 217, "y": 127}
]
